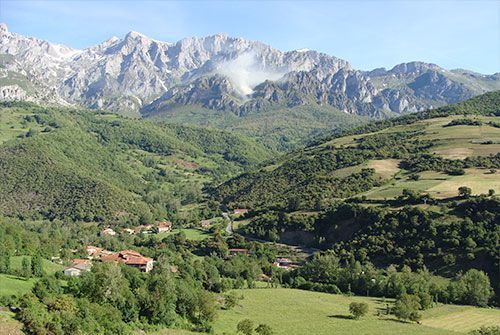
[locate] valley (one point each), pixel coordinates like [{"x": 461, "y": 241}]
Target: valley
[
  {"x": 250, "y": 183},
  {"x": 403, "y": 208}
]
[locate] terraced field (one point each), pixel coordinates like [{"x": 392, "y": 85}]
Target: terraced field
[
  {"x": 452, "y": 142},
  {"x": 439, "y": 185}
]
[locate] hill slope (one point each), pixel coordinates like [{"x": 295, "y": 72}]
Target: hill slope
[
  {"x": 388, "y": 192},
  {"x": 378, "y": 156},
  {"x": 84, "y": 165}
]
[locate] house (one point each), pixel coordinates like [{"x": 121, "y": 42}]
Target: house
[
  {"x": 205, "y": 223},
  {"x": 72, "y": 272},
  {"x": 93, "y": 251},
  {"x": 164, "y": 226},
  {"x": 108, "y": 232},
  {"x": 237, "y": 251},
  {"x": 240, "y": 211},
  {"x": 130, "y": 258},
  {"x": 77, "y": 267},
  {"x": 145, "y": 229},
  {"x": 283, "y": 263}
]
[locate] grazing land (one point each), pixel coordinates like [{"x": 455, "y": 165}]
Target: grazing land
[
  {"x": 12, "y": 285},
  {"x": 290, "y": 311},
  {"x": 461, "y": 318},
  {"x": 191, "y": 233},
  {"x": 438, "y": 184}
]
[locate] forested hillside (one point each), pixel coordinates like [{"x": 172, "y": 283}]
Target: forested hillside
[
  {"x": 94, "y": 166},
  {"x": 418, "y": 190},
  {"x": 378, "y": 154}
]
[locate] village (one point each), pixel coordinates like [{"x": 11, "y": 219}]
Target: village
[{"x": 132, "y": 258}]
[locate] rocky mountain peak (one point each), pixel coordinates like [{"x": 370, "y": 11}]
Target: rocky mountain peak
[
  {"x": 222, "y": 72},
  {"x": 3, "y": 28}
]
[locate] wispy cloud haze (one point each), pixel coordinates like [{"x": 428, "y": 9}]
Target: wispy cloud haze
[{"x": 245, "y": 73}]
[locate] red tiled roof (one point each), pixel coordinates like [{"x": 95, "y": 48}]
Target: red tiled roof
[
  {"x": 92, "y": 250},
  {"x": 165, "y": 224},
  {"x": 130, "y": 253},
  {"x": 115, "y": 257},
  {"x": 77, "y": 261},
  {"x": 128, "y": 257},
  {"x": 137, "y": 260}
]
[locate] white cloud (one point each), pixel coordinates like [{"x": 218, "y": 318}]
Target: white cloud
[{"x": 245, "y": 72}]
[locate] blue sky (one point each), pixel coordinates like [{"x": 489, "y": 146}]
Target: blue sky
[{"x": 369, "y": 34}]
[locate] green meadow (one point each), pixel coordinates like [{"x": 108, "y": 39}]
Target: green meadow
[{"x": 297, "y": 312}]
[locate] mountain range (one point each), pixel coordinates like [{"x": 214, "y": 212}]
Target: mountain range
[{"x": 197, "y": 80}]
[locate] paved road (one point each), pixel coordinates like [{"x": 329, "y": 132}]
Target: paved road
[{"x": 229, "y": 227}]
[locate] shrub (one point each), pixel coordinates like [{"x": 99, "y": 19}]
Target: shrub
[{"x": 358, "y": 309}]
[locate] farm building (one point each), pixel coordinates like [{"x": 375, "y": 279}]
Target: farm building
[
  {"x": 205, "y": 223},
  {"x": 77, "y": 267},
  {"x": 92, "y": 251},
  {"x": 108, "y": 232},
  {"x": 240, "y": 211},
  {"x": 164, "y": 226},
  {"x": 131, "y": 258}
]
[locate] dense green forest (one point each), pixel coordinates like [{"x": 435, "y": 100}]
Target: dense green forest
[
  {"x": 94, "y": 166},
  {"x": 278, "y": 127}
]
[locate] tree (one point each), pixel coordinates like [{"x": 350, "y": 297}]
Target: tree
[
  {"x": 407, "y": 307},
  {"x": 26, "y": 267},
  {"x": 245, "y": 326},
  {"x": 358, "y": 309},
  {"x": 37, "y": 266},
  {"x": 230, "y": 300},
  {"x": 264, "y": 329},
  {"x": 464, "y": 191},
  {"x": 477, "y": 289},
  {"x": 5, "y": 266}
]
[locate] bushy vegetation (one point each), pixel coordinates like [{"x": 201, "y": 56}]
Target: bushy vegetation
[
  {"x": 325, "y": 273},
  {"x": 93, "y": 166},
  {"x": 308, "y": 177},
  {"x": 461, "y": 238}
]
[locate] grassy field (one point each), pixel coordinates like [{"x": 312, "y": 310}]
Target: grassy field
[
  {"x": 455, "y": 142},
  {"x": 440, "y": 185},
  {"x": 191, "y": 233},
  {"x": 48, "y": 266},
  {"x": 461, "y": 318},
  {"x": 290, "y": 311},
  {"x": 299, "y": 312},
  {"x": 385, "y": 168},
  {"x": 12, "y": 285}
]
